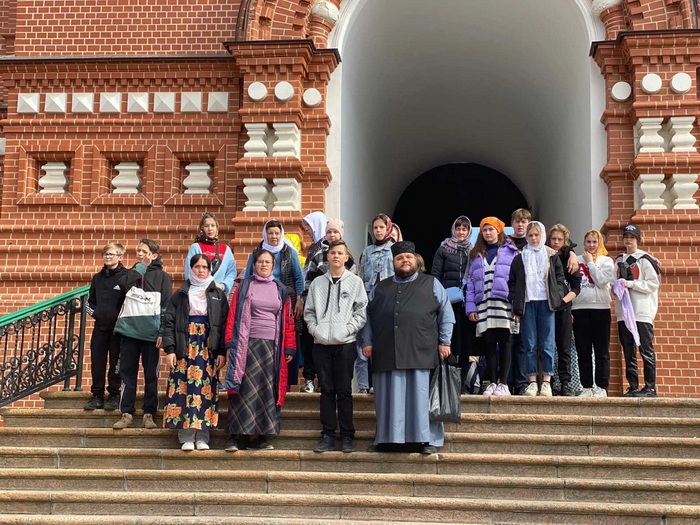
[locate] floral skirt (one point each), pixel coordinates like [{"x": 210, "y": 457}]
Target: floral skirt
[{"x": 192, "y": 399}]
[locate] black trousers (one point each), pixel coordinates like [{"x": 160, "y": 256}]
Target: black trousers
[
  {"x": 104, "y": 349},
  {"x": 562, "y": 337},
  {"x": 592, "y": 334},
  {"x": 131, "y": 350},
  {"x": 334, "y": 366},
  {"x": 646, "y": 350},
  {"x": 463, "y": 342},
  {"x": 307, "y": 345},
  {"x": 497, "y": 360}
]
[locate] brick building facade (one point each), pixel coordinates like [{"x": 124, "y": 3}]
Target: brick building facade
[{"x": 121, "y": 120}]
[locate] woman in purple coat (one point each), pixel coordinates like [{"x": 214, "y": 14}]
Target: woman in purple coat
[{"x": 487, "y": 300}]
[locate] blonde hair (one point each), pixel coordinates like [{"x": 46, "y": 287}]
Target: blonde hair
[
  {"x": 563, "y": 230},
  {"x": 118, "y": 248},
  {"x": 533, "y": 225},
  {"x": 420, "y": 263},
  {"x": 521, "y": 213}
]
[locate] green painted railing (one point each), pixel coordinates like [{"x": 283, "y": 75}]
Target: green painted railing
[{"x": 43, "y": 345}]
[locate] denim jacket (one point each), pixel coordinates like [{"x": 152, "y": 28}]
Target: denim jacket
[{"x": 376, "y": 264}]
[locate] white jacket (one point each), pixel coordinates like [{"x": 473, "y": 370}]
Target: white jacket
[
  {"x": 644, "y": 293},
  {"x": 334, "y": 313},
  {"x": 596, "y": 278}
]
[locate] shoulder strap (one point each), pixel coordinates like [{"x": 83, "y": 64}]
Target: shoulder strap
[{"x": 216, "y": 261}]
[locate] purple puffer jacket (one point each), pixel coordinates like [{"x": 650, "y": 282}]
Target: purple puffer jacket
[{"x": 475, "y": 278}]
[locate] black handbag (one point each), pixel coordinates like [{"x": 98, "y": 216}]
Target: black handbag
[{"x": 445, "y": 387}]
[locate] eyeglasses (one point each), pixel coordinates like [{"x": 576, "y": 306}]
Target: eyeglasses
[{"x": 111, "y": 255}]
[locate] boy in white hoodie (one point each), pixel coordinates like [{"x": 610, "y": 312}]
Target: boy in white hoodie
[
  {"x": 335, "y": 310},
  {"x": 640, "y": 272}
]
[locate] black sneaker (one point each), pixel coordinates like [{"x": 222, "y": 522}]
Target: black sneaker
[
  {"x": 260, "y": 443},
  {"x": 363, "y": 391},
  {"x": 112, "y": 403},
  {"x": 348, "y": 445},
  {"x": 326, "y": 444},
  {"x": 631, "y": 392},
  {"x": 646, "y": 392},
  {"x": 231, "y": 444},
  {"x": 567, "y": 391},
  {"x": 428, "y": 449},
  {"x": 96, "y": 403},
  {"x": 373, "y": 448}
]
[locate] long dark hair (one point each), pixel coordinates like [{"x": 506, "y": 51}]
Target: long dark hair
[
  {"x": 481, "y": 244},
  {"x": 201, "y": 236}
]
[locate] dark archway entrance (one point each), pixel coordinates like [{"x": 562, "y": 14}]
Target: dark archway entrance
[{"x": 431, "y": 203}]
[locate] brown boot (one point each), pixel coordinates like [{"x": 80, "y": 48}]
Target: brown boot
[
  {"x": 126, "y": 421},
  {"x": 148, "y": 421}
]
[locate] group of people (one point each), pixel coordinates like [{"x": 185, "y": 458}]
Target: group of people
[{"x": 381, "y": 320}]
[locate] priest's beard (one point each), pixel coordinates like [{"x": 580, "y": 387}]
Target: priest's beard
[{"x": 406, "y": 273}]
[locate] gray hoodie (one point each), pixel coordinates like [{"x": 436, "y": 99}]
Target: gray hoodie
[{"x": 335, "y": 312}]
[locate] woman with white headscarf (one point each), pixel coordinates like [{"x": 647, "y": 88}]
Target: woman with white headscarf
[{"x": 537, "y": 288}]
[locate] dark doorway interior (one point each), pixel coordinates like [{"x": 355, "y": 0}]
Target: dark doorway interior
[{"x": 431, "y": 203}]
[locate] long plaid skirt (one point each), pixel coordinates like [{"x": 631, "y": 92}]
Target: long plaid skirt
[{"x": 253, "y": 410}]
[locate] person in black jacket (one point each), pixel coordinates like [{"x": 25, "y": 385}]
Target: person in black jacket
[
  {"x": 450, "y": 266},
  {"x": 559, "y": 239},
  {"x": 536, "y": 289},
  {"x": 193, "y": 338},
  {"x": 104, "y": 302}
]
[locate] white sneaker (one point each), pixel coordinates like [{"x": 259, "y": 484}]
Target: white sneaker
[
  {"x": 501, "y": 390},
  {"x": 531, "y": 389},
  {"x": 201, "y": 445},
  {"x": 308, "y": 387},
  {"x": 490, "y": 389},
  {"x": 187, "y": 446},
  {"x": 599, "y": 392},
  {"x": 587, "y": 392},
  {"x": 546, "y": 389}
]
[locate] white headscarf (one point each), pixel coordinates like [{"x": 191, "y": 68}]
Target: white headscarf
[
  {"x": 196, "y": 293},
  {"x": 535, "y": 257},
  {"x": 317, "y": 221},
  {"x": 280, "y": 245}
]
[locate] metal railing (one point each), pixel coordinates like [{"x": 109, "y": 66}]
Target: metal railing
[{"x": 43, "y": 345}]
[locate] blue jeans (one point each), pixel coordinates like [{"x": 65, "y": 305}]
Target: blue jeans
[
  {"x": 537, "y": 330},
  {"x": 361, "y": 369}
]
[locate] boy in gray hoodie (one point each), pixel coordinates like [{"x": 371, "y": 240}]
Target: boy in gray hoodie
[{"x": 335, "y": 310}]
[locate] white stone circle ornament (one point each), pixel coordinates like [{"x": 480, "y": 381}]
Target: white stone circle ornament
[
  {"x": 681, "y": 83},
  {"x": 621, "y": 91},
  {"x": 257, "y": 91},
  {"x": 284, "y": 91},
  {"x": 651, "y": 83},
  {"x": 326, "y": 11},
  {"x": 312, "y": 97}
]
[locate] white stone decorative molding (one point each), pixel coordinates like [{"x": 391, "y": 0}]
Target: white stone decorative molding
[
  {"x": 2, "y": 147},
  {"x": 649, "y": 189},
  {"x": 326, "y": 11},
  {"x": 137, "y": 102},
  {"x": 56, "y": 103},
  {"x": 54, "y": 179},
  {"x": 258, "y": 193},
  {"x": 288, "y": 143},
  {"x": 284, "y": 91},
  {"x": 681, "y": 83},
  {"x": 83, "y": 102},
  {"x": 598, "y": 6},
  {"x": 28, "y": 103},
  {"x": 288, "y": 195},
  {"x": 191, "y": 102},
  {"x": 682, "y": 190},
  {"x": 621, "y": 91},
  {"x": 256, "y": 146},
  {"x": 127, "y": 179},
  {"x": 110, "y": 102},
  {"x": 649, "y": 139},
  {"x": 164, "y": 102},
  {"x": 651, "y": 83},
  {"x": 198, "y": 181},
  {"x": 217, "y": 102},
  {"x": 257, "y": 91},
  {"x": 312, "y": 97},
  {"x": 682, "y": 138}
]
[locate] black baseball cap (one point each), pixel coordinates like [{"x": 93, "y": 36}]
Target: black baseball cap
[{"x": 632, "y": 229}]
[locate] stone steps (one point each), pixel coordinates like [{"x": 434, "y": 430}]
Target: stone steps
[
  {"x": 74, "y": 519},
  {"x": 478, "y": 465},
  {"x": 476, "y": 423},
  {"x": 334, "y": 507},
  {"x": 348, "y": 483}
]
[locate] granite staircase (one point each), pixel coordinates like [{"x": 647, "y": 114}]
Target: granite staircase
[{"x": 512, "y": 460}]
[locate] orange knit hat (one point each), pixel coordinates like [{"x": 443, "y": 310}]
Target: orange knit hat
[{"x": 493, "y": 221}]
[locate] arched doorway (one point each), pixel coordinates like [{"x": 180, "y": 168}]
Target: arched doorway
[
  {"x": 507, "y": 85},
  {"x": 429, "y": 205}
]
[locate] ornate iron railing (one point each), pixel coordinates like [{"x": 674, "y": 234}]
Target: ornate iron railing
[{"x": 43, "y": 345}]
